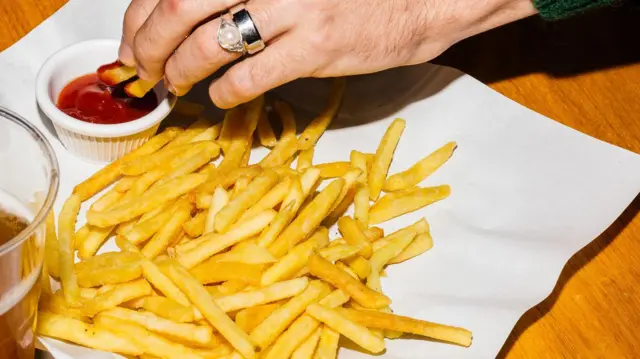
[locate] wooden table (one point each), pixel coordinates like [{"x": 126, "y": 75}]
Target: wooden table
[{"x": 584, "y": 73}]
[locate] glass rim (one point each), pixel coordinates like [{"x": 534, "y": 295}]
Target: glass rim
[{"x": 54, "y": 179}]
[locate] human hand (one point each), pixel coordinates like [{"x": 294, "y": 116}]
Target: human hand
[{"x": 176, "y": 39}]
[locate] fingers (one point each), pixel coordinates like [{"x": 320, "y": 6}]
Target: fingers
[
  {"x": 200, "y": 55},
  {"x": 168, "y": 25},
  {"x": 136, "y": 14},
  {"x": 279, "y": 63}
]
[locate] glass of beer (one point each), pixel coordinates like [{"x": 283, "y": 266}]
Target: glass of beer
[{"x": 28, "y": 187}]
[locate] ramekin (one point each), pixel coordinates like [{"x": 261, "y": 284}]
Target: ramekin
[{"x": 96, "y": 143}]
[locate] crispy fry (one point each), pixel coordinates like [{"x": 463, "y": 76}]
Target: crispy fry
[
  {"x": 327, "y": 344},
  {"x": 308, "y": 347},
  {"x": 148, "y": 201},
  {"x": 61, "y": 327},
  {"x": 188, "y": 108},
  {"x": 51, "y": 246},
  {"x": 93, "y": 241},
  {"x": 374, "y": 233},
  {"x": 147, "y": 163},
  {"x": 138, "y": 88},
  {"x": 285, "y": 113},
  {"x": 209, "y": 134},
  {"x": 113, "y": 274},
  {"x": 246, "y": 252},
  {"x": 333, "y": 169},
  {"x": 124, "y": 184},
  {"x": 354, "y": 235},
  {"x": 109, "y": 174},
  {"x": 305, "y": 159},
  {"x": 359, "y": 265},
  {"x": 212, "y": 271},
  {"x": 382, "y": 256},
  {"x": 168, "y": 309},
  {"x": 269, "y": 330},
  {"x": 343, "y": 325},
  {"x": 205, "y": 153},
  {"x": 268, "y": 294},
  {"x": 119, "y": 294},
  {"x": 288, "y": 209},
  {"x": 170, "y": 230},
  {"x": 249, "y": 318},
  {"x": 295, "y": 260},
  {"x": 55, "y": 303},
  {"x": 215, "y": 243},
  {"x": 316, "y": 128},
  {"x": 270, "y": 199},
  {"x": 420, "y": 244},
  {"x": 359, "y": 160},
  {"x": 382, "y": 212},
  {"x": 421, "y": 170},
  {"x": 346, "y": 197},
  {"x": 66, "y": 231},
  {"x": 308, "y": 219},
  {"x": 150, "y": 343},
  {"x": 376, "y": 319},
  {"x": 188, "y": 333},
  {"x": 147, "y": 228},
  {"x": 265, "y": 131},
  {"x": 107, "y": 200},
  {"x": 209, "y": 309},
  {"x": 227, "y": 178},
  {"x": 113, "y": 75},
  {"x": 195, "y": 226},
  {"x": 256, "y": 190},
  {"x": 81, "y": 235},
  {"x": 219, "y": 200},
  {"x": 361, "y": 206},
  {"x": 364, "y": 296},
  {"x": 383, "y": 157},
  {"x": 284, "y": 150}
]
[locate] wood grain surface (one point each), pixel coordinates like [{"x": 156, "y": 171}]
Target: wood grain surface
[{"x": 584, "y": 73}]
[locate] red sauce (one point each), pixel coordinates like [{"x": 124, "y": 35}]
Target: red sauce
[{"x": 89, "y": 99}]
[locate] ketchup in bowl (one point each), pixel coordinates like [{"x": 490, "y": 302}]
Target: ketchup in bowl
[{"x": 89, "y": 99}]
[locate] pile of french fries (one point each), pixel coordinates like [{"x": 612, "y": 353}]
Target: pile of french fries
[{"x": 234, "y": 260}]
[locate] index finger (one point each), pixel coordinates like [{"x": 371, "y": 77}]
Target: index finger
[
  {"x": 136, "y": 14},
  {"x": 168, "y": 25}
]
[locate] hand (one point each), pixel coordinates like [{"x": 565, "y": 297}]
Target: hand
[{"x": 305, "y": 38}]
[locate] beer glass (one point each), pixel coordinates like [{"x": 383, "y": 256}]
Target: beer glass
[{"x": 28, "y": 187}]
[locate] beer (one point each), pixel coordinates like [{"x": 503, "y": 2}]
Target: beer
[{"x": 20, "y": 267}]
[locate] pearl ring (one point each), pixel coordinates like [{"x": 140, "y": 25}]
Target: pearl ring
[{"x": 240, "y": 34}]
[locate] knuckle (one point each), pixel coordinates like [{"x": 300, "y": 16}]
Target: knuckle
[
  {"x": 176, "y": 7},
  {"x": 240, "y": 83}
]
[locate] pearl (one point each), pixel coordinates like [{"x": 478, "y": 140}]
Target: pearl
[{"x": 230, "y": 36}]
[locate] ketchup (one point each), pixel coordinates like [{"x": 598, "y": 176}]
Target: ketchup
[{"x": 89, "y": 99}]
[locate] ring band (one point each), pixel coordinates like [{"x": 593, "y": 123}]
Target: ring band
[{"x": 251, "y": 38}]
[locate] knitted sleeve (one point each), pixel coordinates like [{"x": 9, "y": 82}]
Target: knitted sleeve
[{"x": 559, "y": 9}]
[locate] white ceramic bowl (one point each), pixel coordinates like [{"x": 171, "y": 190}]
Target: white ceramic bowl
[{"x": 93, "y": 142}]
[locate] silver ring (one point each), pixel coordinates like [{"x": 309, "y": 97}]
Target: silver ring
[
  {"x": 229, "y": 37},
  {"x": 251, "y": 38}
]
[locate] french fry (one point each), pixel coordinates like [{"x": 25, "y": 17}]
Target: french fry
[
  {"x": 168, "y": 309},
  {"x": 185, "y": 332},
  {"x": 66, "y": 231},
  {"x": 206, "y": 153},
  {"x": 93, "y": 241},
  {"x": 343, "y": 325},
  {"x": 380, "y": 257},
  {"x": 188, "y": 108},
  {"x": 420, "y": 227},
  {"x": 246, "y": 252},
  {"x": 361, "y": 206},
  {"x": 219, "y": 200},
  {"x": 346, "y": 197},
  {"x": 308, "y": 347},
  {"x": 138, "y": 88},
  {"x": 150, "y": 343},
  {"x": 55, "y": 303},
  {"x": 295, "y": 260},
  {"x": 270, "y": 199},
  {"x": 209, "y": 134},
  {"x": 265, "y": 131},
  {"x": 107, "y": 200},
  {"x": 215, "y": 243},
  {"x": 359, "y": 160},
  {"x": 268, "y": 294},
  {"x": 302, "y": 327},
  {"x": 239, "y": 187},
  {"x": 195, "y": 226},
  {"x": 147, "y": 163},
  {"x": 316, "y": 128},
  {"x": 51, "y": 249},
  {"x": 256, "y": 190},
  {"x": 374, "y": 233},
  {"x": 147, "y": 228},
  {"x": 353, "y": 234},
  {"x": 189, "y": 134},
  {"x": 284, "y": 150},
  {"x": 76, "y": 331},
  {"x": 212, "y": 271},
  {"x": 285, "y": 113},
  {"x": 376, "y": 319},
  {"x": 209, "y": 309},
  {"x": 332, "y": 254},
  {"x": 115, "y": 73},
  {"x": 382, "y": 212},
  {"x": 148, "y": 201},
  {"x": 115, "y": 274},
  {"x": 249, "y": 318},
  {"x": 269, "y": 330},
  {"x": 333, "y": 169},
  {"x": 328, "y": 272},
  {"x": 109, "y": 174},
  {"x": 81, "y": 235},
  {"x": 327, "y": 344},
  {"x": 420, "y": 244},
  {"x": 308, "y": 219},
  {"x": 159, "y": 243},
  {"x": 227, "y": 178},
  {"x": 288, "y": 209},
  {"x": 421, "y": 170},
  {"x": 119, "y": 294},
  {"x": 124, "y": 184},
  {"x": 383, "y": 157},
  {"x": 359, "y": 265},
  {"x": 305, "y": 159}
]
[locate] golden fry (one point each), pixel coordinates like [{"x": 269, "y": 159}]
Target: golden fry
[
  {"x": 219, "y": 200},
  {"x": 265, "y": 131},
  {"x": 268, "y": 294},
  {"x": 270, "y": 200},
  {"x": 66, "y": 231},
  {"x": 333, "y": 169},
  {"x": 316, "y": 128},
  {"x": 421, "y": 243},
  {"x": 305, "y": 159},
  {"x": 159, "y": 243},
  {"x": 354, "y": 235},
  {"x": 382, "y": 212},
  {"x": 249, "y": 318},
  {"x": 195, "y": 226},
  {"x": 119, "y": 294},
  {"x": 383, "y": 157},
  {"x": 421, "y": 170},
  {"x": 361, "y": 206},
  {"x": 51, "y": 246},
  {"x": 212, "y": 271}
]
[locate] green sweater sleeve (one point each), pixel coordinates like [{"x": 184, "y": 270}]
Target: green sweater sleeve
[{"x": 559, "y": 9}]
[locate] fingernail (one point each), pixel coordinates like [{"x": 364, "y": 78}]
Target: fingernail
[
  {"x": 169, "y": 86},
  {"x": 126, "y": 55}
]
